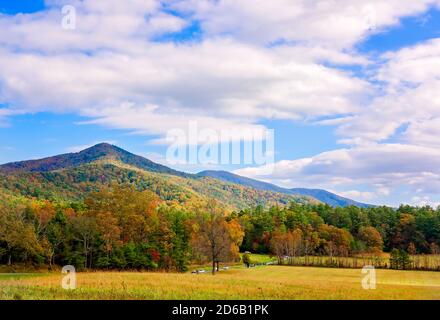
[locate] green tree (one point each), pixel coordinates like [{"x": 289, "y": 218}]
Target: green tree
[
  {"x": 246, "y": 258},
  {"x": 85, "y": 231},
  {"x": 399, "y": 259}
]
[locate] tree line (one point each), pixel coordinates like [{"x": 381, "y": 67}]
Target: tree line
[
  {"x": 118, "y": 228},
  {"x": 122, "y": 228},
  {"x": 306, "y": 231}
]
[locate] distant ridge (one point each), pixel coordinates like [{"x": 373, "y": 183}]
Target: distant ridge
[{"x": 321, "y": 195}]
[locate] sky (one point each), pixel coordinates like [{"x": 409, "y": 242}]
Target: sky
[{"x": 351, "y": 89}]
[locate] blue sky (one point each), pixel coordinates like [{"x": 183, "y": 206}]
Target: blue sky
[
  {"x": 16, "y": 7},
  {"x": 353, "y": 108}
]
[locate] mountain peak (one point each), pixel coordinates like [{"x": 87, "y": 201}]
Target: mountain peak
[
  {"x": 100, "y": 151},
  {"x": 102, "y": 145},
  {"x": 103, "y": 149}
]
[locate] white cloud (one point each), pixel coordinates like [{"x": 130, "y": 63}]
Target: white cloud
[
  {"x": 409, "y": 108},
  {"x": 383, "y": 167},
  {"x": 222, "y": 78},
  {"x": 100, "y": 25},
  {"x": 358, "y": 195},
  {"x": 111, "y": 61},
  {"x": 334, "y": 23},
  {"x": 150, "y": 120},
  {"x": 364, "y": 196},
  {"x": 423, "y": 201}
]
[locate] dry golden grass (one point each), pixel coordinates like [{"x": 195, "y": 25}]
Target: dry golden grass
[{"x": 274, "y": 282}]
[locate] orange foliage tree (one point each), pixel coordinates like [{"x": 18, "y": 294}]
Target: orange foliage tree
[{"x": 215, "y": 237}]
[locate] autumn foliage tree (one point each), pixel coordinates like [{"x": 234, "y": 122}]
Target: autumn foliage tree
[
  {"x": 133, "y": 229},
  {"x": 408, "y": 232},
  {"x": 132, "y": 214},
  {"x": 335, "y": 241},
  {"x": 17, "y": 236},
  {"x": 371, "y": 238},
  {"x": 215, "y": 237},
  {"x": 278, "y": 245}
]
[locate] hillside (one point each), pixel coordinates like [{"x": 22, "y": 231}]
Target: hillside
[
  {"x": 321, "y": 195},
  {"x": 70, "y": 177}
]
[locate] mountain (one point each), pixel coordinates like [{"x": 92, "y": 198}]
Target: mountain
[
  {"x": 330, "y": 198},
  {"x": 321, "y": 195},
  {"x": 70, "y": 177},
  {"x": 234, "y": 178},
  {"x": 102, "y": 151}
]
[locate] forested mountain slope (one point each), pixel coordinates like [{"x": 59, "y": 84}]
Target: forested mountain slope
[
  {"x": 71, "y": 177},
  {"x": 322, "y": 195}
]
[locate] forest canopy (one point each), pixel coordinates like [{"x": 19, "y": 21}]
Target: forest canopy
[{"x": 122, "y": 228}]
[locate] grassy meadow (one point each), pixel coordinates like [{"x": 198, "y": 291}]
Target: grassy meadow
[{"x": 271, "y": 282}]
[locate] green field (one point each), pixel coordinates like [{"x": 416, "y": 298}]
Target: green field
[{"x": 272, "y": 282}]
